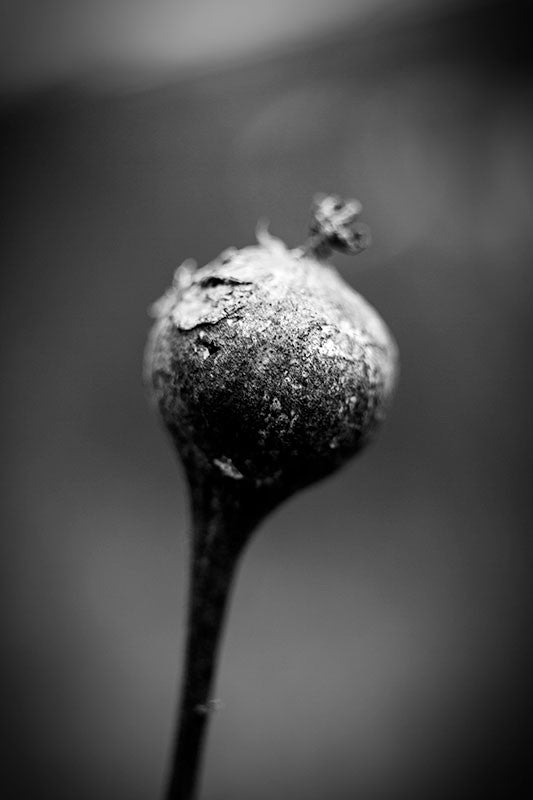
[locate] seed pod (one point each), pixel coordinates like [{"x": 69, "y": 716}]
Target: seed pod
[{"x": 268, "y": 370}]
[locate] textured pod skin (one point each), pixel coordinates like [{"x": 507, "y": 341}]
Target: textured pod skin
[{"x": 267, "y": 368}]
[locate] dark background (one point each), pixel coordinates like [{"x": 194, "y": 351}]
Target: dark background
[{"x": 378, "y": 646}]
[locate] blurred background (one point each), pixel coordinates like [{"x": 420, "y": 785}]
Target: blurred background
[{"x": 378, "y": 646}]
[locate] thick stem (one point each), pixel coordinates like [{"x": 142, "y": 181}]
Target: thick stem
[
  {"x": 209, "y": 597},
  {"x": 220, "y": 530}
]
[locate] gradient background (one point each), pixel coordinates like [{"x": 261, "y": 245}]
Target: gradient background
[{"x": 378, "y": 645}]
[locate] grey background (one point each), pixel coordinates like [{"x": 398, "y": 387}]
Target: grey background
[{"x": 378, "y": 645}]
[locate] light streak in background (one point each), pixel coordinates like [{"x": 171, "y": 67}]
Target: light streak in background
[{"x": 42, "y": 43}]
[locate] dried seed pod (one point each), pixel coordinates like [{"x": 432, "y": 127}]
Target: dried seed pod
[
  {"x": 269, "y": 371},
  {"x": 266, "y": 366}
]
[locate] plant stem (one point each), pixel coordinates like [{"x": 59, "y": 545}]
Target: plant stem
[
  {"x": 209, "y": 596},
  {"x": 220, "y": 529}
]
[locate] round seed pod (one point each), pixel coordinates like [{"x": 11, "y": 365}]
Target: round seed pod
[{"x": 268, "y": 370}]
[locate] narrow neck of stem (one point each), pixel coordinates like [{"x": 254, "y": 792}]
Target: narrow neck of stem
[
  {"x": 317, "y": 245},
  {"x": 219, "y": 534}
]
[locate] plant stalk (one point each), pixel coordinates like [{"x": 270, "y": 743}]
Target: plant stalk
[{"x": 220, "y": 529}]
